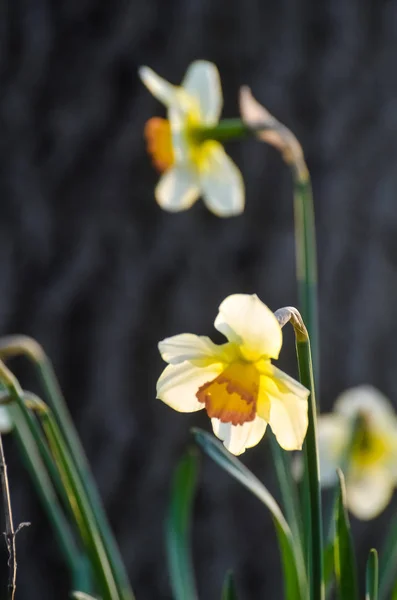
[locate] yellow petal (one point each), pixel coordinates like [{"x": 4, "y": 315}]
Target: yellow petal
[
  {"x": 161, "y": 89},
  {"x": 187, "y": 346},
  {"x": 177, "y": 189},
  {"x": 287, "y": 383},
  {"x": 246, "y": 321},
  {"x": 236, "y": 438},
  {"x": 178, "y": 385},
  {"x": 369, "y": 492},
  {"x": 202, "y": 82},
  {"x": 221, "y": 181},
  {"x": 288, "y": 416}
]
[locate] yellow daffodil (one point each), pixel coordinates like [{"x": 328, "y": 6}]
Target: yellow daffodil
[
  {"x": 191, "y": 166},
  {"x": 371, "y": 467},
  {"x": 236, "y": 382}
]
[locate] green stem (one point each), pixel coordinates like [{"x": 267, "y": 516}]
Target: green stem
[
  {"x": 72, "y": 555},
  {"x": 312, "y": 464},
  {"x": 306, "y": 259},
  {"x": 225, "y": 130},
  {"x": 79, "y": 503},
  {"x": 16, "y": 345}
]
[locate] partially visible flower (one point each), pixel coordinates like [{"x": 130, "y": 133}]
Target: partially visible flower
[
  {"x": 371, "y": 467},
  {"x": 235, "y": 382},
  {"x": 271, "y": 131},
  {"x": 5, "y": 420},
  {"x": 192, "y": 166}
]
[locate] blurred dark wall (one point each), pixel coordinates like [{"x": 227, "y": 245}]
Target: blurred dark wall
[{"x": 92, "y": 268}]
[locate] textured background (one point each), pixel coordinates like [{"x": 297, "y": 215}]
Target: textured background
[{"x": 92, "y": 268}]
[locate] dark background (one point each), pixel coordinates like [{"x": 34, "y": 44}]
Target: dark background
[{"x": 92, "y": 268}]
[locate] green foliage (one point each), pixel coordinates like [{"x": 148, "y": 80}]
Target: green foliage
[
  {"x": 229, "y": 591},
  {"x": 345, "y": 561},
  {"x": 292, "y": 560},
  {"x": 178, "y": 527},
  {"x": 372, "y": 576}
]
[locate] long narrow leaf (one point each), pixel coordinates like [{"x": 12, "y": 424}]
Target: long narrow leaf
[
  {"x": 372, "y": 576},
  {"x": 178, "y": 527},
  {"x": 292, "y": 559},
  {"x": 388, "y": 562},
  {"x": 229, "y": 591},
  {"x": 345, "y": 561}
]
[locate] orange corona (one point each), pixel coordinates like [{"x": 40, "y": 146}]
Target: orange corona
[{"x": 159, "y": 143}]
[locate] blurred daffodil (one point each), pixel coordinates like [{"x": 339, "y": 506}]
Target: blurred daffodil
[
  {"x": 191, "y": 165},
  {"x": 370, "y": 458},
  {"x": 236, "y": 382}
]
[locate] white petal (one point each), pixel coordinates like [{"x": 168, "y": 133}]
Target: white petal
[
  {"x": 161, "y": 89},
  {"x": 288, "y": 420},
  {"x": 178, "y": 385},
  {"x": 202, "y": 82},
  {"x": 187, "y": 346},
  {"x": 245, "y": 320},
  {"x": 236, "y": 438},
  {"x": 221, "y": 181},
  {"x": 177, "y": 189},
  {"x": 369, "y": 493},
  {"x": 333, "y": 437},
  {"x": 367, "y": 399},
  {"x": 5, "y": 420}
]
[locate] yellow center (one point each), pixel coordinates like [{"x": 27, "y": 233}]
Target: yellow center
[
  {"x": 369, "y": 448},
  {"x": 232, "y": 396},
  {"x": 159, "y": 143}
]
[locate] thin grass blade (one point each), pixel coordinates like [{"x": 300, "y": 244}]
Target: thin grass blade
[
  {"x": 372, "y": 576},
  {"x": 229, "y": 591},
  {"x": 178, "y": 527},
  {"x": 345, "y": 560}
]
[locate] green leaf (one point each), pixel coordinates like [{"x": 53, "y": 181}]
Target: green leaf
[
  {"x": 372, "y": 576},
  {"x": 291, "y": 554},
  {"x": 178, "y": 527},
  {"x": 345, "y": 561},
  {"x": 81, "y": 596},
  {"x": 328, "y": 558},
  {"x": 229, "y": 591},
  {"x": 388, "y": 562}
]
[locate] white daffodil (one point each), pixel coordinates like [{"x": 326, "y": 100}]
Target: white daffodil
[
  {"x": 235, "y": 382},
  {"x": 192, "y": 167},
  {"x": 371, "y": 467}
]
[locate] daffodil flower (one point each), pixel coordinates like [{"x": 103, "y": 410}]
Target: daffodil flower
[
  {"x": 241, "y": 390},
  {"x": 371, "y": 465},
  {"x": 192, "y": 166}
]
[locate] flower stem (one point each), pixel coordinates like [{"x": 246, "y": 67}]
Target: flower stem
[
  {"x": 311, "y": 480},
  {"x": 17, "y": 345},
  {"x": 312, "y": 468}
]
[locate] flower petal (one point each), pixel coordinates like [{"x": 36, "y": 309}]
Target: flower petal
[
  {"x": 187, "y": 346},
  {"x": 369, "y": 493},
  {"x": 288, "y": 416},
  {"x": 161, "y": 89},
  {"x": 178, "y": 384},
  {"x": 177, "y": 189},
  {"x": 5, "y": 420},
  {"x": 367, "y": 399},
  {"x": 333, "y": 437},
  {"x": 202, "y": 82},
  {"x": 246, "y": 321},
  {"x": 287, "y": 383},
  {"x": 221, "y": 181},
  {"x": 236, "y": 438}
]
